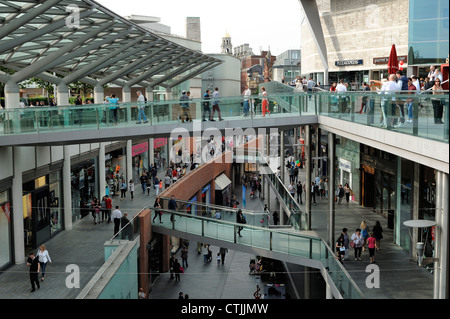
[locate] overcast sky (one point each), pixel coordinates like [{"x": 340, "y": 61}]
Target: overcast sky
[{"x": 260, "y": 23}]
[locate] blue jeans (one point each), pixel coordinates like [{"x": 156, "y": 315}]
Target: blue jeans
[
  {"x": 43, "y": 265},
  {"x": 410, "y": 110},
  {"x": 246, "y": 108},
  {"x": 141, "y": 114}
]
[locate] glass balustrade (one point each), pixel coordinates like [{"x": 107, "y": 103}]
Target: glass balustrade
[
  {"x": 289, "y": 243},
  {"x": 224, "y": 213},
  {"x": 411, "y": 114}
]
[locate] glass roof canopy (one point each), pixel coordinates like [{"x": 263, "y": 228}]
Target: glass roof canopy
[{"x": 80, "y": 40}]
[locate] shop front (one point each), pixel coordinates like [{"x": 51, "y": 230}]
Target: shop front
[
  {"x": 160, "y": 151},
  {"x": 85, "y": 187},
  {"x": 380, "y": 70},
  {"x": 42, "y": 209},
  {"x": 347, "y": 165},
  {"x": 140, "y": 159},
  {"x": 115, "y": 163},
  {"x": 5, "y": 229},
  {"x": 379, "y": 182}
]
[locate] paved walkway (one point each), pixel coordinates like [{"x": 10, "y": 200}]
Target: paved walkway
[{"x": 400, "y": 278}]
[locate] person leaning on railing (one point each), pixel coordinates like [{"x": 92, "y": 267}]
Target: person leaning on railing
[{"x": 438, "y": 104}]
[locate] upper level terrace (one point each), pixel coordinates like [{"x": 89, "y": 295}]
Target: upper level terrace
[{"x": 421, "y": 139}]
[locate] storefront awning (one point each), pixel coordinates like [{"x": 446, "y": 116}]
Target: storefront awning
[{"x": 222, "y": 181}]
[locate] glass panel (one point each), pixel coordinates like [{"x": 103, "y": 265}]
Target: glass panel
[{"x": 371, "y": 109}]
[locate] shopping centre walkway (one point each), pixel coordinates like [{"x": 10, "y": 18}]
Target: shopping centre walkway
[{"x": 400, "y": 278}]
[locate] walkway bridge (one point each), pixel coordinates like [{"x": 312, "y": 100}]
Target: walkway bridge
[
  {"x": 422, "y": 140},
  {"x": 302, "y": 248}
]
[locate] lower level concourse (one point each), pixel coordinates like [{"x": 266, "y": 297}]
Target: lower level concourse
[{"x": 46, "y": 191}]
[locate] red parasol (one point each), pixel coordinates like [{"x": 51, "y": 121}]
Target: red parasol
[{"x": 393, "y": 61}]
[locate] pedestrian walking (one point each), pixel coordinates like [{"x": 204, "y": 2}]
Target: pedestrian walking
[
  {"x": 291, "y": 189},
  {"x": 205, "y": 252},
  {"x": 313, "y": 192},
  {"x": 177, "y": 270},
  {"x": 116, "y": 215},
  {"x": 131, "y": 186},
  {"x": 275, "y": 218},
  {"x": 364, "y": 233},
  {"x": 340, "y": 194},
  {"x": 35, "y": 267},
  {"x": 322, "y": 188},
  {"x": 144, "y": 180},
  {"x": 265, "y": 102},
  {"x": 123, "y": 190},
  {"x": 223, "y": 252},
  {"x": 167, "y": 181},
  {"x": 156, "y": 186},
  {"x": 299, "y": 192},
  {"x": 184, "y": 104},
  {"x": 215, "y": 105},
  {"x": 173, "y": 207},
  {"x": 171, "y": 264},
  {"x": 347, "y": 191},
  {"x": 43, "y": 258},
  {"x": 157, "y": 209},
  {"x": 108, "y": 209},
  {"x": 206, "y": 106},
  {"x": 346, "y": 243},
  {"x": 184, "y": 257},
  {"x": 357, "y": 242},
  {"x": 141, "y": 108},
  {"x": 340, "y": 249},
  {"x": 102, "y": 209},
  {"x": 378, "y": 234},
  {"x": 371, "y": 243},
  {"x": 246, "y": 103},
  {"x": 240, "y": 219},
  {"x": 96, "y": 206}
]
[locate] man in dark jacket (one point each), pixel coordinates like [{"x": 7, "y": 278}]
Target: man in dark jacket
[{"x": 35, "y": 267}]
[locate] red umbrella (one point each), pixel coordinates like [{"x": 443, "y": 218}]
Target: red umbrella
[{"x": 393, "y": 61}]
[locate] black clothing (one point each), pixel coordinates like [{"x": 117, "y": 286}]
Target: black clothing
[{"x": 34, "y": 267}]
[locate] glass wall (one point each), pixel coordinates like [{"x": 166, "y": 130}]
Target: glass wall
[
  {"x": 405, "y": 203},
  {"x": 84, "y": 188},
  {"x": 5, "y": 228},
  {"x": 428, "y": 31},
  {"x": 42, "y": 208},
  {"x": 348, "y": 164},
  {"x": 55, "y": 201}
]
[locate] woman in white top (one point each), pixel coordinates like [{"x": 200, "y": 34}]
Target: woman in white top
[
  {"x": 357, "y": 242},
  {"x": 44, "y": 258}
]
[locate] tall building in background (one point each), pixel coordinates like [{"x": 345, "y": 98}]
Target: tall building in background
[
  {"x": 428, "y": 36},
  {"x": 193, "y": 31},
  {"x": 287, "y": 65},
  {"x": 357, "y": 40},
  {"x": 226, "y": 47}
]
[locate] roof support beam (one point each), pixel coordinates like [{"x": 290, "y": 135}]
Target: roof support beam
[
  {"x": 158, "y": 68},
  {"x": 60, "y": 55},
  {"x": 140, "y": 63},
  {"x": 29, "y": 37},
  {"x": 195, "y": 73},
  {"x": 107, "y": 60},
  {"x": 30, "y": 14},
  {"x": 186, "y": 67}
]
